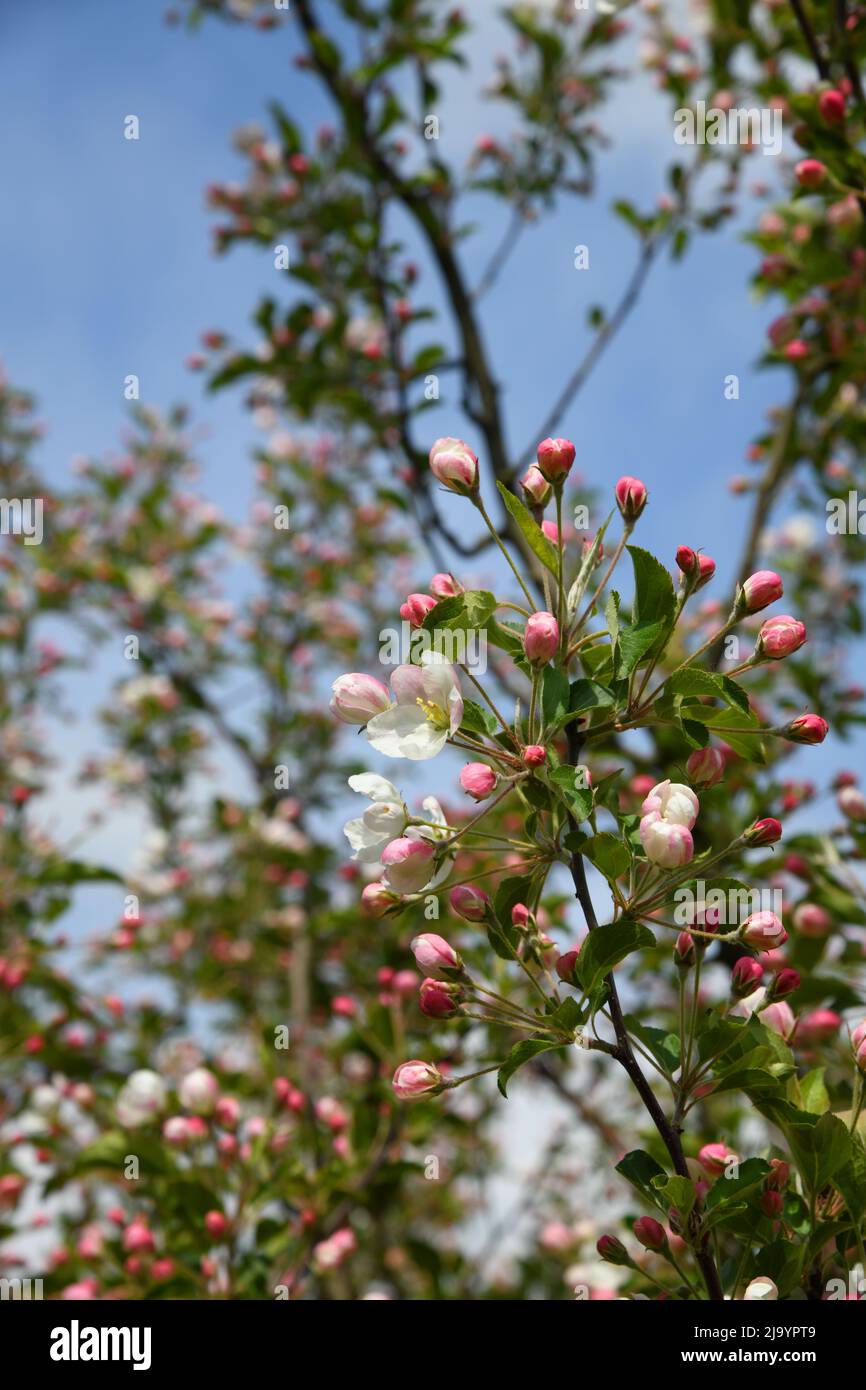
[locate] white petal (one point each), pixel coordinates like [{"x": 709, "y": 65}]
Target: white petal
[
  {"x": 404, "y": 732},
  {"x": 376, "y": 787}
]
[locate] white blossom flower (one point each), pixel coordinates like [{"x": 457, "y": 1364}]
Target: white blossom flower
[
  {"x": 428, "y": 708},
  {"x": 384, "y": 820}
]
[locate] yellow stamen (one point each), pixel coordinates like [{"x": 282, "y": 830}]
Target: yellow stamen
[{"x": 435, "y": 713}]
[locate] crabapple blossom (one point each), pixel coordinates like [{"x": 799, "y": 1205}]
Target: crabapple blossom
[
  {"x": 377, "y": 898},
  {"x": 650, "y": 1233},
  {"x": 428, "y": 709},
  {"x": 810, "y": 173},
  {"x": 384, "y": 820},
  {"x": 357, "y": 698},
  {"x": 536, "y": 488},
  {"x": 852, "y": 803},
  {"x": 631, "y": 498},
  {"x": 763, "y": 929},
  {"x": 445, "y": 586},
  {"x": 478, "y": 780},
  {"x": 714, "y": 1158},
  {"x": 199, "y": 1091},
  {"x": 434, "y": 953},
  {"x": 408, "y": 864},
  {"x": 437, "y": 999},
  {"x": 810, "y": 919},
  {"x": 746, "y": 976},
  {"x": 779, "y": 637},
  {"x": 666, "y": 843},
  {"x": 470, "y": 903},
  {"x": 453, "y": 463},
  {"x": 759, "y": 591},
  {"x": 706, "y": 766},
  {"x": 541, "y": 638},
  {"x": 414, "y": 1080},
  {"x": 555, "y": 458},
  {"x": 143, "y": 1096},
  {"x": 818, "y": 1026},
  {"x": 807, "y": 728},
  {"x": 763, "y": 832},
  {"x": 534, "y": 755},
  {"x": 674, "y": 802},
  {"x": 780, "y": 1018},
  {"x": 416, "y": 608}
]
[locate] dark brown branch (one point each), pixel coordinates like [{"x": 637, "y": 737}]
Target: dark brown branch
[{"x": 811, "y": 40}]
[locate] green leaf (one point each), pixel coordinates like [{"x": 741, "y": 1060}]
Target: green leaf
[
  {"x": 554, "y": 694},
  {"x": 477, "y": 720},
  {"x": 606, "y": 946},
  {"x": 677, "y": 1192},
  {"x": 519, "y": 1055},
  {"x": 578, "y": 796},
  {"x": 726, "y": 1191},
  {"x": 609, "y": 855},
  {"x": 588, "y": 563},
  {"x": 851, "y": 1179},
  {"x": 538, "y": 543},
  {"x": 664, "y": 1046},
  {"x": 654, "y": 597},
  {"x": 586, "y": 695},
  {"x": 641, "y": 1169},
  {"x": 634, "y": 643},
  {"x": 813, "y": 1092},
  {"x": 517, "y": 889}
]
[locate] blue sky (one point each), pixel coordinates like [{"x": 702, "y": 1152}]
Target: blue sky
[{"x": 107, "y": 270}]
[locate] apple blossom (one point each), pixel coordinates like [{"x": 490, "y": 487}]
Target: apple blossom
[
  {"x": 428, "y": 709},
  {"x": 383, "y": 821},
  {"x": 541, "y": 638},
  {"x": 758, "y": 591},
  {"x": 199, "y": 1091},
  {"x": 763, "y": 929},
  {"x": 779, "y": 637},
  {"x": 142, "y": 1097},
  {"x": 535, "y": 486},
  {"x": 357, "y": 698},
  {"x": 377, "y": 898},
  {"x": 414, "y": 1080},
  {"x": 453, "y": 463},
  {"x": 434, "y": 953},
  {"x": 437, "y": 999},
  {"x": 706, "y": 766},
  {"x": 416, "y": 608},
  {"x": 784, "y": 983},
  {"x": 810, "y": 173},
  {"x": 715, "y": 1158},
  {"x": 746, "y": 976},
  {"x": 408, "y": 864},
  {"x": 650, "y": 1233},
  {"x": 613, "y": 1251},
  {"x": 666, "y": 843},
  {"x": 555, "y": 458},
  {"x": 565, "y": 964},
  {"x": 478, "y": 780},
  {"x": 812, "y": 920},
  {"x": 470, "y": 903},
  {"x": 631, "y": 498},
  {"x": 763, "y": 832},
  {"x": 534, "y": 755},
  {"x": 674, "y": 802},
  {"x": 808, "y": 728},
  {"x": 779, "y": 1017},
  {"x": 831, "y": 105},
  {"x": 852, "y": 803},
  {"x": 446, "y": 586}
]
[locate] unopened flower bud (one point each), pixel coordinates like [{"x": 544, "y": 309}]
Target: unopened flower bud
[
  {"x": 472, "y": 904},
  {"x": 438, "y": 999},
  {"x": 555, "y": 457},
  {"x": 779, "y": 637},
  {"x": 758, "y": 591},
  {"x": 377, "y": 898},
  {"x": 357, "y": 698},
  {"x": 763, "y": 929},
  {"x": 541, "y": 638},
  {"x": 808, "y": 728},
  {"x": 446, "y": 586},
  {"x": 810, "y": 173},
  {"x": 613, "y": 1251},
  {"x": 453, "y": 463},
  {"x": 784, "y": 983},
  {"x": 416, "y": 608},
  {"x": 705, "y": 766},
  {"x": 631, "y": 497},
  {"x": 763, "y": 832},
  {"x": 414, "y": 1080},
  {"x": 746, "y": 976},
  {"x": 478, "y": 780},
  {"x": 812, "y": 920},
  {"x": 684, "y": 951},
  {"x": 534, "y": 755},
  {"x": 408, "y": 864},
  {"x": 536, "y": 488},
  {"x": 650, "y": 1233},
  {"x": 433, "y": 953},
  {"x": 566, "y": 963}
]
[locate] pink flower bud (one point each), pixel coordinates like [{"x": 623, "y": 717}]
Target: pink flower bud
[
  {"x": 812, "y": 920},
  {"x": 433, "y": 953},
  {"x": 810, "y": 173},
  {"x": 763, "y": 929},
  {"x": 714, "y": 1158},
  {"x": 536, "y": 488},
  {"x": 818, "y": 1027},
  {"x": 852, "y": 803},
  {"x": 416, "y": 608},
  {"x": 831, "y": 105},
  {"x": 858, "y": 1035},
  {"x": 808, "y": 728},
  {"x": 357, "y": 698},
  {"x": 565, "y": 964},
  {"x": 631, "y": 497},
  {"x": 706, "y": 766},
  {"x": 784, "y": 983},
  {"x": 376, "y": 899},
  {"x": 779, "y": 1175},
  {"x": 453, "y": 463},
  {"x": 758, "y": 591},
  {"x": 687, "y": 560},
  {"x": 763, "y": 832},
  {"x": 138, "y": 1238},
  {"x": 684, "y": 950},
  {"x": 446, "y": 586},
  {"x": 228, "y": 1112},
  {"x": 780, "y": 1019},
  {"x": 772, "y": 1204},
  {"x": 706, "y": 570},
  {"x": 408, "y": 866},
  {"x": 414, "y": 1080},
  {"x": 478, "y": 780},
  {"x": 860, "y": 1056},
  {"x": 674, "y": 802},
  {"x": 216, "y": 1224},
  {"x": 472, "y": 904},
  {"x": 746, "y": 976},
  {"x": 520, "y": 915},
  {"x": 199, "y": 1091},
  {"x": 613, "y": 1251},
  {"x": 555, "y": 457},
  {"x": 437, "y": 999},
  {"x": 534, "y": 755},
  {"x": 541, "y": 638},
  {"x": 650, "y": 1233},
  {"x": 175, "y": 1131},
  {"x": 779, "y": 637},
  {"x": 666, "y": 843}
]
